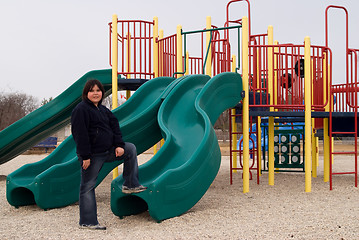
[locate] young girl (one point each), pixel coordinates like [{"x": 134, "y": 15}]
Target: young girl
[{"x": 98, "y": 140}]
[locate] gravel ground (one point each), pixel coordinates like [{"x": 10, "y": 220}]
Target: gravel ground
[{"x": 283, "y": 211}]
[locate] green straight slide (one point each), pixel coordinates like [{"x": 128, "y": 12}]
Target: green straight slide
[
  {"x": 55, "y": 180},
  {"x": 48, "y": 119},
  {"x": 181, "y": 172}
]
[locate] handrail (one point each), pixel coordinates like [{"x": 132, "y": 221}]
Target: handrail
[
  {"x": 346, "y": 35},
  {"x": 326, "y": 24},
  {"x": 239, "y": 20},
  {"x": 209, "y": 44},
  {"x": 352, "y": 95}
]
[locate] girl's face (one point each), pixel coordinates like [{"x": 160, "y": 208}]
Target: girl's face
[{"x": 95, "y": 95}]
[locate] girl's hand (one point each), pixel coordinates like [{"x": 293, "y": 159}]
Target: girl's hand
[
  {"x": 119, "y": 151},
  {"x": 86, "y": 164}
]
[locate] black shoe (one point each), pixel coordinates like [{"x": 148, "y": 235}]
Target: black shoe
[
  {"x": 128, "y": 190},
  {"x": 93, "y": 227}
]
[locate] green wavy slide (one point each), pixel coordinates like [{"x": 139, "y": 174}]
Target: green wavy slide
[
  {"x": 48, "y": 119},
  {"x": 182, "y": 171},
  {"x": 54, "y": 181}
]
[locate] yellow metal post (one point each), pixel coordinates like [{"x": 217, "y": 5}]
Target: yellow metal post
[
  {"x": 114, "y": 61},
  {"x": 128, "y": 55},
  {"x": 161, "y": 34},
  {"x": 155, "y": 150},
  {"x": 160, "y": 74},
  {"x": 128, "y": 92},
  {"x": 307, "y": 116},
  {"x": 326, "y": 139},
  {"x": 245, "y": 116},
  {"x": 187, "y": 62},
  {"x": 161, "y": 56},
  {"x": 317, "y": 153},
  {"x": 209, "y": 55},
  {"x": 155, "y": 46},
  {"x": 270, "y": 119},
  {"x": 179, "y": 51},
  {"x": 314, "y": 140},
  {"x": 314, "y": 152},
  {"x": 157, "y": 59}
]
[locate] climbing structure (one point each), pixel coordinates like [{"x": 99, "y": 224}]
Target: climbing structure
[
  {"x": 287, "y": 83},
  {"x": 293, "y": 83}
]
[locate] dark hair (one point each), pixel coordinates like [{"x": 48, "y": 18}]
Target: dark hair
[
  {"x": 88, "y": 87},
  {"x": 285, "y": 80}
]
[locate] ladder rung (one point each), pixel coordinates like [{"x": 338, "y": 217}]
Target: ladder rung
[
  {"x": 339, "y": 173},
  {"x": 236, "y": 133},
  {"x": 343, "y": 153},
  {"x": 236, "y": 169},
  {"x": 232, "y": 150},
  {"x": 348, "y": 133}
]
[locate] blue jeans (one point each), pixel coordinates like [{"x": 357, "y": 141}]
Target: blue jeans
[{"x": 87, "y": 201}]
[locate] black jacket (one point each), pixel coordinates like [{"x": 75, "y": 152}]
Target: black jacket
[{"x": 95, "y": 129}]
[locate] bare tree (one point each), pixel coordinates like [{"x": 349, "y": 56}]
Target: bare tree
[
  {"x": 221, "y": 126},
  {"x": 222, "y": 122},
  {"x": 14, "y": 106},
  {"x": 107, "y": 102},
  {"x": 46, "y": 101}
]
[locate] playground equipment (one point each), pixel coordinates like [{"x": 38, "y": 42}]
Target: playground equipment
[
  {"x": 48, "y": 119},
  {"x": 288, "y": 80},
  {"x": 288, "y": 150},
  {"x": 54, "y": 181},
  {"x": 280, "y": 79},
  {"x": 184, "y": 168},
  {"x": 347, "y": 103}
]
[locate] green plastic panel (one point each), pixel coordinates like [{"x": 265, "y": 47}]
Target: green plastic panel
[
  {"x": 54, "y": 181},
  {"x": 181, "y": 172},
  {"x": 48, "y": 119}
]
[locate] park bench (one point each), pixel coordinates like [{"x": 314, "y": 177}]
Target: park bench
[{"x": 50, "y": 142}]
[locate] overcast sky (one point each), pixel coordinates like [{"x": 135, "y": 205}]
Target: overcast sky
[{"x": 46, "y": 45}]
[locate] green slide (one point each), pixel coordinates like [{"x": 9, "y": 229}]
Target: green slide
[
  {"x": 181, "y": 172},
  {"x": 48, "y": 119},
  {"x": 54, "y": 181}
]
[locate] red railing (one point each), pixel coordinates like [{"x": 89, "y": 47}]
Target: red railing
[
  {"x": 167, "y": 52},
  {"x": 135, "y": 40},
  {"x": 221, "y": 54},
  {"x": 342, "y": 97},
  {"x": 345, "y": 95},
  {"x": 261, "y": 55},
  {"x": 238, "y": 21},
  {"x": 288, "y": 76},
  {"x": 135, "y": 51},
  {"x": 167, "y": 58},
  {"x": 352, "y": 78},
  {"x": 195, "y": 65},
  {"x": 345, "y": 99}
]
